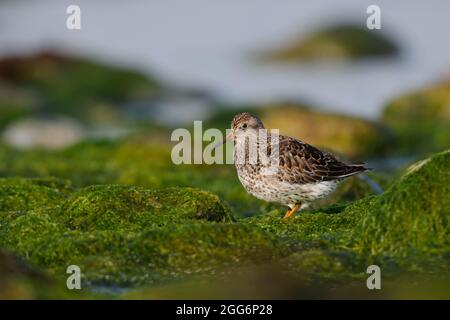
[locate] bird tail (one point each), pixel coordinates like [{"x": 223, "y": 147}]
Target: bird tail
[{"x": 355, "y": 168}]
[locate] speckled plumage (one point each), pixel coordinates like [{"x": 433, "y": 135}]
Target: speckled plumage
[{"x": 304, "y": 173}]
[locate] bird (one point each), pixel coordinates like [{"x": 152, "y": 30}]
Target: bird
[{"x": 301, "y": 174}]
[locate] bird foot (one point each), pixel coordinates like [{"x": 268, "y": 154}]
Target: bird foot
[{"x": 292, "y": 211}]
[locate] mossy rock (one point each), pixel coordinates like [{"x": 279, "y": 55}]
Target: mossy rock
[
  {"x": 61, "y": 87},
  {"x": 420, "y": 120},
  {"x": 412, "y": 217},
  {"x": 349, "y": 136},
  {"x": 326, "y": 227},
  {"x": 130, "y": 257},
  {"x": 111, "y": 207},
  {"x": 343, "y": 42},
  {"x": 20, "y": 194},
  {"x": 205, "y": 248}
]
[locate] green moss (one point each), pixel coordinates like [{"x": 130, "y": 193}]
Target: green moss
[
  {"x": 18, "y": 194},
  {"x": 411, "y": 217},
  {"x": 326, "y": 228},
  {"x": 85, "y": 164},
  {"x": 130, "y": 235},
  {"x": 420, "y": 120},
  {"x": 111, "y": 207},
  {"x": 144, "y": 232},
  {"x": 206, "y": 248},
  {"x": 152, "y": 254},
  {"x": 337, "y": 42}
]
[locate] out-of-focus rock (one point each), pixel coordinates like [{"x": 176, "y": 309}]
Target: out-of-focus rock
[
  {"x": 350, "y": 136},
  {"x": 342, "y": 42},
  {"x": 421, "y": 120},
  {"x": 75, "y": 86},
  {"x": 15, "y": 103}
]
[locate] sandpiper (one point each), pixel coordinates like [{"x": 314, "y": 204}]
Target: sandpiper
[{"x": 304, "y": 173}]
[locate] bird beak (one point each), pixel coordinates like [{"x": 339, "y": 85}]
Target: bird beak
[{"x": 229, "y": 137}]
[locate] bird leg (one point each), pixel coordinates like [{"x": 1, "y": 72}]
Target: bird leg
[{"x": 292, "y": 211}]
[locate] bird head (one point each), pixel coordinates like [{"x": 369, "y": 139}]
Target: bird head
[{"x": 243, "y": 124}]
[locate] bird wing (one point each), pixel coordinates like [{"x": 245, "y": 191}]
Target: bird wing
[{"x": 302, "y": 163}]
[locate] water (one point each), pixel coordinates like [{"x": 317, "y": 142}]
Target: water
[{"x": 205, "y": 44}]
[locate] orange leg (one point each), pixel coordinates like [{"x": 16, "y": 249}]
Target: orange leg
[{"x": 292, "y": 211}]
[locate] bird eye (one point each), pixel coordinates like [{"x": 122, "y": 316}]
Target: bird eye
[{"x": 244, "y": 125}]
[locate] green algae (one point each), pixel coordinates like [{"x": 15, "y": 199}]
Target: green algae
[
  {"x": 129, "y": 235},
  {"x": 108, "y": 207},
  {"x": 129, "y": 258},
  {"x": 20, "y": 194},
  {"x": 144, "y": 232},
  {"x": 411, "y": 217},
  {"x": 308, "y": 229}
]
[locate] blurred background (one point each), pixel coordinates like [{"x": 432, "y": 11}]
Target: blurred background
[
  {"x": 97, "y": 106},
  {"x": 201, "y": 55}
]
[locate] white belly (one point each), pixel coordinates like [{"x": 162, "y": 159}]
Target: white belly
[{"x": 270, "y": 189}]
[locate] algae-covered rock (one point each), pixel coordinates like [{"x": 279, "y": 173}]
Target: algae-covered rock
[
  {"x": 129, "y": 257},
  {"x": 412, "y": 217},
  {"x": 19, "y": 194},
  {"x": 421, "y": 120},
  {"x": 336, "y": 42},
  {"x": 325, "y": 227},
  {"x": 350, "y": 136},
  {"x": 71, "y": 86},
  {"x": 128, "y": 235},
  {"x": 205, "y": 248},
  {"x": 112, "y": 207}
]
